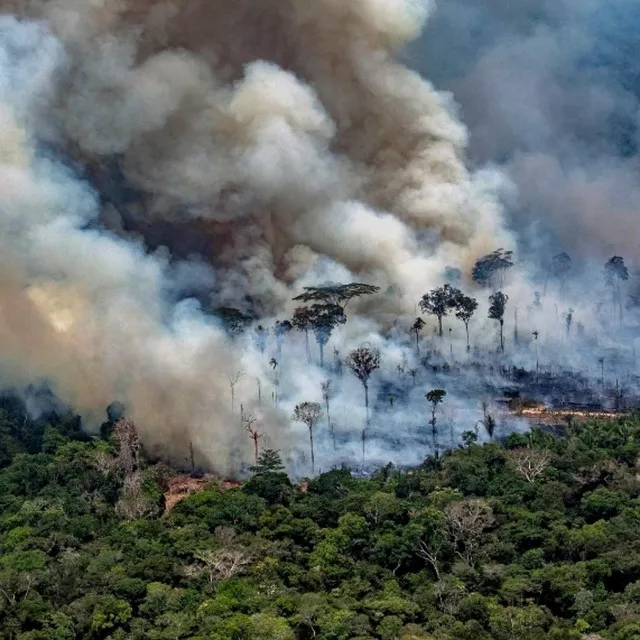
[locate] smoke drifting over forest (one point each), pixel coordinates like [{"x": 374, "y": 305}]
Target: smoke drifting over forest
[{"x": 159, "y": 162}]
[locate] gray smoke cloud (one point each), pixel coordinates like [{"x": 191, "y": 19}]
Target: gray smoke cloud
[
  {"x": 149, "y": 151},
  {"x": 550, "y": 92}
]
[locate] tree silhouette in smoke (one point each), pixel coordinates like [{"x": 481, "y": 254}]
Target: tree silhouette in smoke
[
  {"x": 324, "y": 319},
  {"x": 465, "y": 307},
  {"x": 498, "y": 304},
  {"x": 438, "y": 303},
  {"x": 416, "y": 328},
  {"x": 435, "y": 397},
  {"x": 303, "y": 321},
  {"x": 336, "y": 294},
  {"x": 363, "y": 361},
  {"x": 492, "y": 267},
  {"x": 309, "y": 413},
  {"x": 615, "y": 273},
  {"x": 234, "y": 320}
]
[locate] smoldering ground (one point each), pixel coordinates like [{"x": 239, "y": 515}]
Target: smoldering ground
[{"x": 153, "y": 154}]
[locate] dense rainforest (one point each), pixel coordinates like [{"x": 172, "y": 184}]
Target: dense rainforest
[{"x": 532, "y": 537}]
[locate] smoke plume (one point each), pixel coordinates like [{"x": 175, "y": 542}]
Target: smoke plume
[{"x": 152, "y": 152}]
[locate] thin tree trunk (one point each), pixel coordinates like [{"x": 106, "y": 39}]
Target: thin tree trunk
[
  {"x": 501, "y": 336},
  {"x": 313, "y": 460},
  {"x": 440, "y": 326},
  {"x": 321, "y": 355},
  {"x": 364, "y": 431},
  {"x": 306, "y": 342},
  {"x": 418, "y": 345},
  {"x": 333, "y": 435},
  {"x": 255, "y": 449},
  {"x": 466, "y": 328}
]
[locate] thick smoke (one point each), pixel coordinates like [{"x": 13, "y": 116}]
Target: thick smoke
[
  {"x": 549, "y": 90},
  {"x": 152, "y": 152}
]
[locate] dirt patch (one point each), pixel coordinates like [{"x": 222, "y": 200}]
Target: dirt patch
[{"x": 182, "y": 486}]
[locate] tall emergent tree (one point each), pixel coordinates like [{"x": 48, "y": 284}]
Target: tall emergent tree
[
  {"x": 615, "y": 273},
  {"x": 465, "y": 307},
  {"x": 324, "y": 319},
  {"x": 416, "y": 328},
  {"x": 336, "y": 294},
  {"x": 435, "y": 397},
  {"x": 498, "y": 304},
  {"x": 309, "y": 413},
  {"x": 490, "y": 269},
  {"x": 439, "y": 302},
  {"x": 363, "y": 361}
]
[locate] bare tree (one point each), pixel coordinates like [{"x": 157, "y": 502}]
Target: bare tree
[
  {"x": 248, "y": 422},
  {"x": 126, "y": 434},
  {"x": 133, "y": 504},
  {"x": 435, "y": 397},
  {"x": 433, "y": 539},
  {"x": 234, "y": 378},
  {"x": 498, "y": 303},
  {"x": 309, "y": 413},
  {"x": 220, "y": 564},
  {"x": 363, "y": 361},
  {"x": 529, "y": 463},
  {"x": 467, "y": 520},
  {"x": 326, "y": 396}
]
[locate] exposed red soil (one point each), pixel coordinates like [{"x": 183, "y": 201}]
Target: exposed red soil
[{"x": 182, "y": 486}]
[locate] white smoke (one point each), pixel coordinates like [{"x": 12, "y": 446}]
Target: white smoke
[{"x": 277, "y": 145}]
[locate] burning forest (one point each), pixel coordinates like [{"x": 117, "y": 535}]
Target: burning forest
[{"x": 259, "y": 226}]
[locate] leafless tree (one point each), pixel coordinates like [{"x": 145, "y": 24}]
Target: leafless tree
[
  {"x": 248, "y": 422},
  {"x": 309, "y": 413},
  {"x": 363, "y": 361},
  {"x": 528, "y": 462},
  {"x": 467, "y": 520},
  {"x": 220, "y": 564},
  {"x": 133, "y": 504},
  {"x": 128, "y": 439},
  {"x": 234, "y": 378},
  {"x": 326, "y": 396}
]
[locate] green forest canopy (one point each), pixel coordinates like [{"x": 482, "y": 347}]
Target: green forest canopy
[{"x": 536, "y": 537}]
